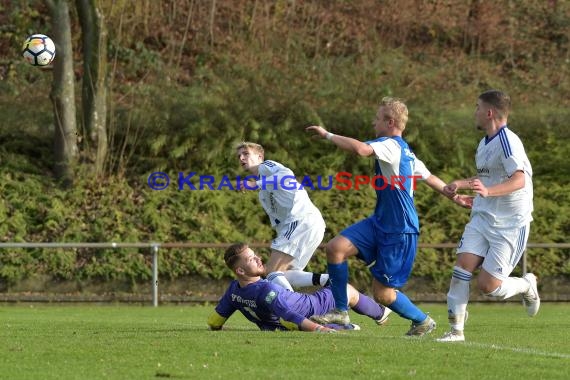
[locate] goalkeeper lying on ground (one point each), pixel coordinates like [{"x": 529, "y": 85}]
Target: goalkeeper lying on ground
[{"x": 272, "y": 307}]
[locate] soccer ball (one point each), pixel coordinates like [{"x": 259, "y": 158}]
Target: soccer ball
[{"x": 38, "y": 50}]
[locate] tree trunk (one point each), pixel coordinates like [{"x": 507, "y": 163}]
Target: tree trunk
[
  {"x": 63, "y": 94},
  {"x": 94, "y": 86}
]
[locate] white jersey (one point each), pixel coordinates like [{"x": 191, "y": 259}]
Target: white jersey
[
  {"x": 497, "y": 159},
  {"x": 281, "y": 196}
]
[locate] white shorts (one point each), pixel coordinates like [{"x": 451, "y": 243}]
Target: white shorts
[
  {"x": 500, "y": 248},
  {"x": 300, "y": 239}
]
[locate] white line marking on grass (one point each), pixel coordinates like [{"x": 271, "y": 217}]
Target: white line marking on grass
[
  {"x": 521, "y": 350},
  {"x": 528, "y": 351}
]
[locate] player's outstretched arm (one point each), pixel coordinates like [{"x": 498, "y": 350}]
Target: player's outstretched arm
[
  {"x": 450, "y": 192},
  {"x": 345, "y": 143},
  {"x": 460, "y": 184},
  {"x": 437, "y": 184}
]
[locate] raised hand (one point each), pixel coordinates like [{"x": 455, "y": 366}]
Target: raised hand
[
  {"x": 319, "y": 131},
  {"x": 462, "y": 200}
]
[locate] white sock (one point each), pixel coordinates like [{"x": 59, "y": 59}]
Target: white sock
[
  {"x": 279, "y": 279},
  {"x": 299, "y": 278},
  {"x": 511, "y": 286},
  {"x": 458, "y": 297},
  {"x": 324, "y": 279}
]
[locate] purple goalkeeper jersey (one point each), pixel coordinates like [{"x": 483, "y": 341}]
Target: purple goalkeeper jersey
[{"x": 265, "y": 303}]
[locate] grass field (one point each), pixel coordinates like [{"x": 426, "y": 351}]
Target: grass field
[{"x": 141, "y": 342}]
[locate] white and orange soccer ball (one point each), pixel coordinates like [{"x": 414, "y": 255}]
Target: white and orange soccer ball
[{"x": 38, "y": 50}]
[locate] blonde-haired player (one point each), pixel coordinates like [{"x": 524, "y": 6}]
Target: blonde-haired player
[
  {"x": 387, "y": 240},
  {"x": 298, "y": 222}
]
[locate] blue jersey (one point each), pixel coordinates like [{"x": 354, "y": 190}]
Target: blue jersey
[
  {"x": 397, "y": 172},
  {"x": 266, "y": 304},
  {"x": 387, "y": 240}
]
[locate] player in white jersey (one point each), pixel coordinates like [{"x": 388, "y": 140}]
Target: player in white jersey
[
  {"x": 298, "y": 222},
  {"x": 496, "y": 236}
]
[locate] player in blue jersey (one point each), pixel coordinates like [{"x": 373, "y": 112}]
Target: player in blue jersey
[
  {"x": 495, "y": 237},
  {"x": 387, "y": 240},
  {"x": 272, "y": 307},
  {"x": 298, "y": 223}
]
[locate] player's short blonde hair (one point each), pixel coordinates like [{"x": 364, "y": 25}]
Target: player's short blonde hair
[
  {"x": 251, "y": 146},
  {"x": 397, "y": 110}
]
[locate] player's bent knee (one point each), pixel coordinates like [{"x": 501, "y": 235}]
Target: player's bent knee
[
  {"x": 382, "y": 300},
  {"x": 499, "y": 292},
  {"x": 385, "y": 298},
  {"x": 339, "y": 249},
  {"x": 334, "y": 254},
  {"x": 488, "y": 284},
  {"x": 487, "y": 287}
]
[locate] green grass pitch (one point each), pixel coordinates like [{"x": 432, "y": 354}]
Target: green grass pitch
[{"x": 171, "y": 341}]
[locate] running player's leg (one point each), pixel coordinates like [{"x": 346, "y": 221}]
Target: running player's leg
[
  {"x": 364, "y": 305},
  {"x": 276, "y": 266},
  {"x": 303, "y": 242},
  {"x": 357, "y": 239},
  {"x": 395, "y": 258},
  {"x": 471, "y": 252},
  {"x": 338, "y": 250},
  {"x": 291, "y": 251},
  {"x": 506, "y": 249}
]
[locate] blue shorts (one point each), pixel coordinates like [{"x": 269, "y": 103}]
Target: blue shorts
[{"x": 390, "y": 257}]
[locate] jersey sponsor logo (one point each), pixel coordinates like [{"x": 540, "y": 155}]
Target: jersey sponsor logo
[
  {"x": 243, "y": 301},
  {"x": 270, "y": 296},
  {"x": 409, "y": 153},
  {"x": 272, "y": 202}
]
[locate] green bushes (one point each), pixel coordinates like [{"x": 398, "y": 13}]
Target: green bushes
[
  {"x": 118, "y": 211},
  {"x": 183, "y": 110},
  {"x": 190, "y": 129}
]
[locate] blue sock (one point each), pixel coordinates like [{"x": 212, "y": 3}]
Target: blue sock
[
  {"x": 367, "y": 306},
  {"x": 406, "y": 309},
  {"x": 338, "y": 275}
]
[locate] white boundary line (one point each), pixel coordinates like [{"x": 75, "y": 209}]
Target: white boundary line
[
  {"x": 529, "y": 351},
  {"x": 486, "y": 346}
]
